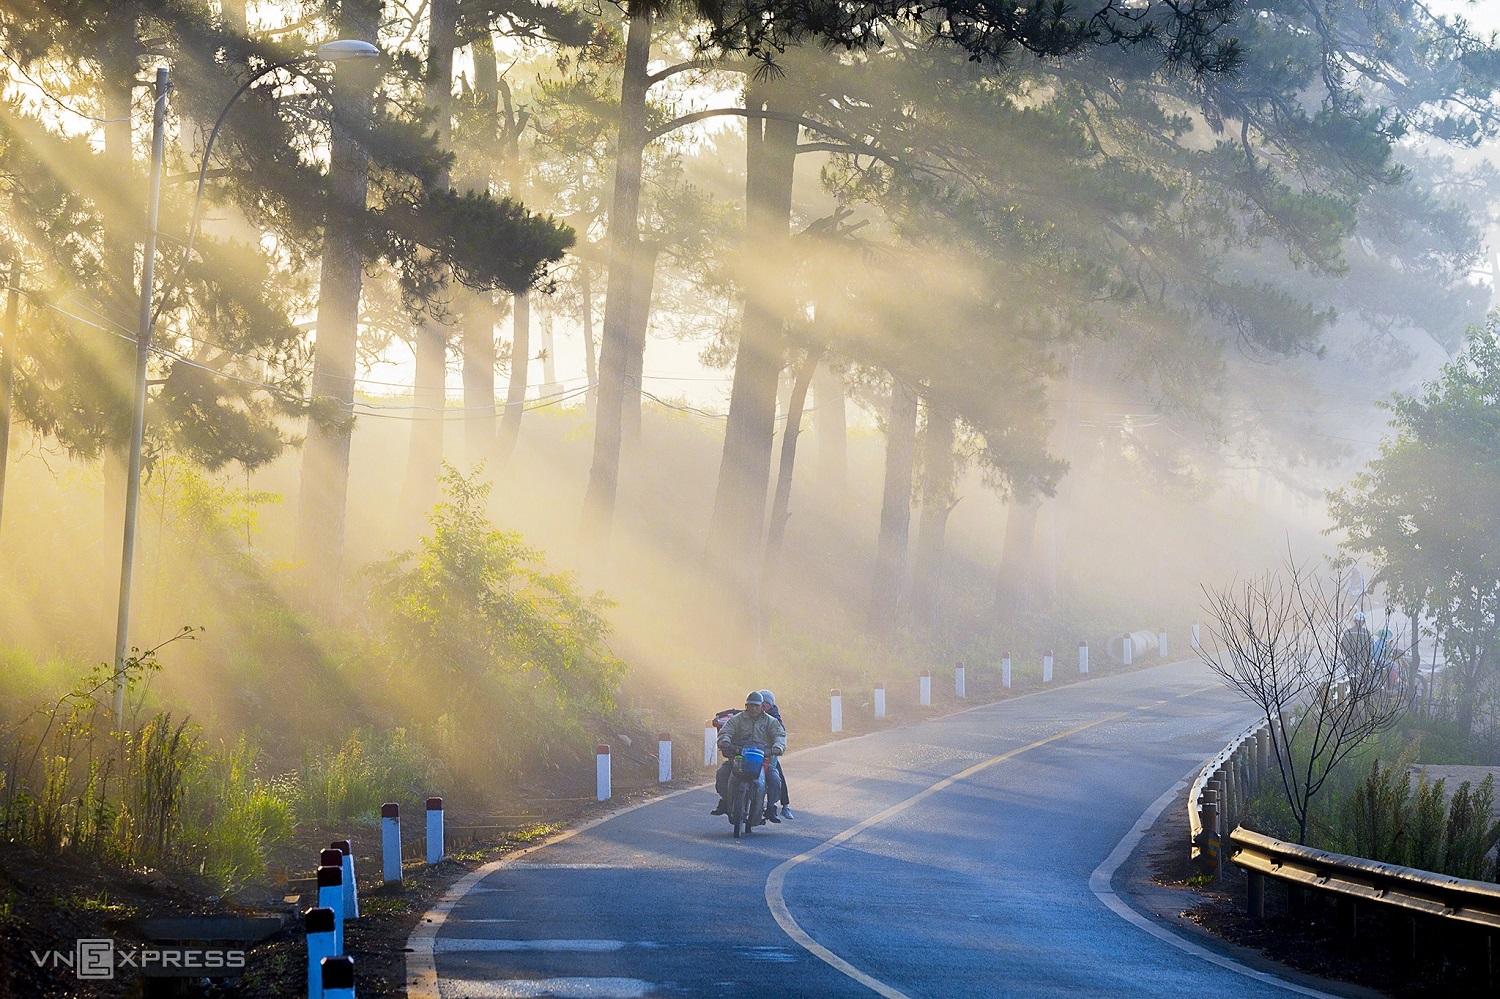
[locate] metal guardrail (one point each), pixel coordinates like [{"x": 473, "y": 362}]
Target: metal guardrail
[
  {"x": 1476, "y": 903},
  {"x": 1224, "y": 786}
]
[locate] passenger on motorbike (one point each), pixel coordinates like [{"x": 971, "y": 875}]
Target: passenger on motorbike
[
  {"x": 750, "y": 727},
  {"x": 769, "y": 699}
]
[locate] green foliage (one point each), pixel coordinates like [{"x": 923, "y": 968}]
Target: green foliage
[
  {"x": 238, "y": 817},
  {"x": 1427, "y": 511},
  {"x": 496, "y": 635},
  {"x": 1378, "y": 812},
  {"x": 350, "y": 784},
  {"x": 1469, "y": 832}
]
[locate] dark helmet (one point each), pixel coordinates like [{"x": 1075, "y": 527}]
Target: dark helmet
[
  {"x": 768, "y": 697},
  {"x": 754, "y": 697}
]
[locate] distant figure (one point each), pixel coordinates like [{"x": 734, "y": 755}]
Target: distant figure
[{"x": 1357, "y": 648}]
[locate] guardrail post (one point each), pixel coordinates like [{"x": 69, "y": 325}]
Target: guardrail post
[
  {"x": 958, "y": 682},
  {"x": 836, "y": 710},
  {"x": 601, "y": 770},
  {"x": 1197, "y": 643},
  {"x": 435, "y": 850},
  {"x": 1255, "y": 892},
  {"x": 1211, "y": 845},
  {"x": 1005, "y": 671},
  {"x": 1047, "y": 666},
  {"x": 390, "y": 842},
  {"x": 1348, "y": 919},
  {"x": 710, "y": 744},
  {"x": 1127, "y": 650},
  {"x": 1083, "y": 657},
  {"x": 924, "y": 689},
  {"x": 1227, "y": 810},
  {"x": 1161, "y": 642},
  {"x": 880, "y": 700},
  {"x": 663, "y": 757}
]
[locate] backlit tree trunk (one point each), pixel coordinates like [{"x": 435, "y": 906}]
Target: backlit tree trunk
[
  {"x": 1013, "y": 592},
  {"x": 481, "y": 314},
  {"x": 895, "y": 511},
  {"x": 325, "y": 459},
  {"x": 624, "y": 240},
  {"x": 643, "y": 267},
  {"x": 735, "y": 532},
  {"x": 781, "y": 505},
  {"x": 937, "y": 494},
  {"x": 832, "y": 432},
  {"x": 425, "y": 454},
  {"x": 520, "y": 365}
]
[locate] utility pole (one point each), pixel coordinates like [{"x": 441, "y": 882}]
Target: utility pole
[{"x": 138, "y": 420}]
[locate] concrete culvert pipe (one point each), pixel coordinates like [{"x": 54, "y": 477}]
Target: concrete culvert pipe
[{"x": 1142, "y": 644}]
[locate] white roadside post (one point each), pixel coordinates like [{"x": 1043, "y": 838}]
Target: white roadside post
[
  {"x": 1197, "y": 643},
  {"x": 710, "y": 741},
  {"x": 351, "y": 891},
  {"x": 331, "y": 896},
  {"x": 1161, "y": 642},
  {"x": 836, "y": 710},
  {"x": 1083, "y": 657},
  {"x": 880, "y": 700},
  {"x": 435, "y": 851},
  {"x": 1047, "y": 666},
  {"x": 1127, "y": 648},
  {"x": 318, "y": 922},
  {"x": 1005, "y": 671},
  {"x": 390, "y": 842},
  {"x": 601, "y": 768},
  {"x": 663, "y": 757},
  {"x": 338, "y": 977},
  {"x": 958, "y": 681},
  {"x": 924, "y": 689}
]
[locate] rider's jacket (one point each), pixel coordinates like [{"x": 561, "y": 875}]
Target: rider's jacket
[{"x": 742, "y": 730}]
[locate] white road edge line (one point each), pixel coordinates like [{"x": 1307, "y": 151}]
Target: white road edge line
[
  {"x": 1101, "y": 884},
  {"x": 777, "y": 901},
  {"x": 421, "y": 964}
]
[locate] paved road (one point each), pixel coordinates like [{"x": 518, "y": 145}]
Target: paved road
[{"x": 945, "y": 859}]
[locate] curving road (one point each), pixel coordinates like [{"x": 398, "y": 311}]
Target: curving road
[{"x": 951, "y": 858}]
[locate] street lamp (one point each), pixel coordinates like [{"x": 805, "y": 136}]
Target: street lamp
[{"x": 335, "y": 51}]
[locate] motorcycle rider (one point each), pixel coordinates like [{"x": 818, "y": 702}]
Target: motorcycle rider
[
  {"x": 750, "y": 727},
  {"x": 775, "y": 712}
]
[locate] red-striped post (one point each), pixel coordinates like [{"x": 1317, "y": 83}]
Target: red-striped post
[{"x": 601, "y": 753}]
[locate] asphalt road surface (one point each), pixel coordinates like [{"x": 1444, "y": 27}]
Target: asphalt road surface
[{"x": 950, "y": 858}]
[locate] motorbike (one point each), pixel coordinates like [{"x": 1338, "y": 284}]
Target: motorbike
[{"x": 747, "y": 789}]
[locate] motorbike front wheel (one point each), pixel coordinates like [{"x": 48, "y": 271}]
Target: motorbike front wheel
[{"x": 739, "y": 807}]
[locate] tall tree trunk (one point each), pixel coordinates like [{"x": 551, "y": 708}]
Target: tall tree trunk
[
  {"x": 425, "y": 453},
  {"x": 325, "y": 459},
  {"x": 895, "y": 510},
  {"x": 832, "y": 431},
  {"x": 8, "y": 371},
  {"x": 938, "y": 500},
  {"x": 781, "y": 504},
  {"x": 480, "y": 411},
  {"x": 590, "y": 359},
  {"x": 735, "y": 532},
  {"x": 624, "y": 238},
  {"x": 643, "y": 268},
  {"x": 1013, "y": 592},
  {"x": 482, "y": 313},
  {"x": 520, "y": 363}
]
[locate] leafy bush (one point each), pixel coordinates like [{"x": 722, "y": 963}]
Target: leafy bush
[
  {"x": 239, "y": 817},
  {"x": 493, "y": 635}
]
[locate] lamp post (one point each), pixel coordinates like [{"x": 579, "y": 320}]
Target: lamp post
[{"x": 334, "y": 51}]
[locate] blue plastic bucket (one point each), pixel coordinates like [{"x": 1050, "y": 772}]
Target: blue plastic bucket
[{"x": 753, "y": 759}]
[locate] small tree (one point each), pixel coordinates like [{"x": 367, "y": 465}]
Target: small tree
[{"x": 1279, "y": 641}]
